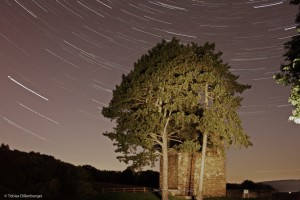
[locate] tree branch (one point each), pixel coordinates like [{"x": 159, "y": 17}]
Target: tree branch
[{"x": 154, "y": 138}]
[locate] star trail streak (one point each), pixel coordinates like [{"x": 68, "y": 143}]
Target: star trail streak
[
  {"x": 268, "y": 5},
  {"x": 26, "y": 9},
  {"x": 23, "y": 129},
  {"x": 23, "y": 86},
  {"x": 37, "y": 113}
]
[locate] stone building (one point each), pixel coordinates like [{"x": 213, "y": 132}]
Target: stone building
[{"x": 184, "y": 172}]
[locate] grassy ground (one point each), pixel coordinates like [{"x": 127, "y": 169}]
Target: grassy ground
[
  {"x": 131, "y": 196},
  {"x": 145, "y": 196},
  {"x": 227, "y": 198}
]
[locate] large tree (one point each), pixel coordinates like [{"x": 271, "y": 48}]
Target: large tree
[
  {"x": 219, "y": 125},
  {"x": 290, "y": 70},
  {"x": 151, "y": 108},
  {"x": 159, "y": 105}
]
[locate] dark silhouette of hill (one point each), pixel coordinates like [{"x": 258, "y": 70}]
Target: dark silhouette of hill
[
  {"x": 273, "y": 190},
  {"x": 260, "y": 189},
  {"x": 38, "y": 174},
  {"x": 248, "y": 184},
  {"x": 285, "y": 185},
  {"x": 33, "y": 173},
  {"x": 128, "y": 177}
]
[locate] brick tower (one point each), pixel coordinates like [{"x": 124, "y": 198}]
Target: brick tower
[{"x": 184, "y": 172}]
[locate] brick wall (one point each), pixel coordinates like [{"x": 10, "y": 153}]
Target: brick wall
[{"x": 184, "y": 172}]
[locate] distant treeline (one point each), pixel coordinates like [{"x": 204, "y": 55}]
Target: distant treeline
[
  {"x": 262, "y": 191},
  {"x": 37, "y": 174},
  {"x": 248, "y": 184},
  {"x": 128, "y": 177}
]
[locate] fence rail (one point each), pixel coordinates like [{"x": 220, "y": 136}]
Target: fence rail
[{"x": 139, "y": 189}]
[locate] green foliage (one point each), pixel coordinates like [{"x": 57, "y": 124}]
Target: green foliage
[
  {"x": 144, "y": 101},
  {"x": 188, "y": 146},
  {"x": 290, "y": 71},
  {"x": 294, "y": 99},
  {"x": 165, "y": 92}
]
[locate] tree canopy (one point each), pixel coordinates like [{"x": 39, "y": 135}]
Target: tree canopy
[
  {"x": 146, "y": 97},
  {"x": 173, "y": 95},
  {"x": 290, "y": 70}
]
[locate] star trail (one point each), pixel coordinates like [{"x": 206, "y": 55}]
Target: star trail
[{"x": 60, "y": 61}]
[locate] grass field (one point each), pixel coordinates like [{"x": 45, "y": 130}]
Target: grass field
[
  {"x": 145, "y": 196},
  {"x": 131, "y": 196}
]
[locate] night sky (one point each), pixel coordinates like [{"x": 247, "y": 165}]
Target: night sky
[{"x": 60, "y": 61}]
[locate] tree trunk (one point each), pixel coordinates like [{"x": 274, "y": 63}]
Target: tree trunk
[
  {"x": 165, "y": 193},
  {"x": 201, "y": 178},
  {"x": 204, "y": 144}
]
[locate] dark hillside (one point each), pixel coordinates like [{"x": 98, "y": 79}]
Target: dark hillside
[
  {"x": 128, "y": 177},
  {"x": 285, "y": 185},
  {"x": 35, "y": 173}
]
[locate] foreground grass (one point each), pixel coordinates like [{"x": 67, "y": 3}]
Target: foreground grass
[
  {"x": 146, "y": 196},
  {"x": 131, "y": 196},
  {"x": 229, "y": 198}
]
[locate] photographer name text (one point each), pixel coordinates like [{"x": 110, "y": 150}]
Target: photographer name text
[{"x": 21, "y": 196}]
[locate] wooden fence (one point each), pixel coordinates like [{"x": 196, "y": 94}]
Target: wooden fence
[{"x": 139, "y": 189}]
